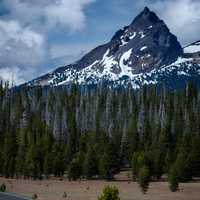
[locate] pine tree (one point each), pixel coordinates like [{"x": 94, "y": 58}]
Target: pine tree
[
  {"x": 59, "y": 165},
  {"x": 47, "y": 166},
  {"x": 182, "y": 165},
  {"x": 183, "y": 160},
  {"x": 195, "y": 156},
  {"x": 138, "y": 161},
  {"x": 105, "y": 170},
  {"x": 144, "y": 178},
  {"x": 21, "y": 154},
  {"x": 134, "y": 165},
  {"x": 90, "y": 165},
  {"x": 173, "y": 179},
  {"x": 32, "y": 166},
  {"x": 9, "y": 152},
  {"x": 75, "y": 167},
  {"x": 132, "y": 138}
]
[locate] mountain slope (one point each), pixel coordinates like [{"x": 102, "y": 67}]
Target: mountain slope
[{"x": 145, "y": 52}]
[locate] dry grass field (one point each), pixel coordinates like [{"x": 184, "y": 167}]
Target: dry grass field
[{"x": 90, "y": 190}]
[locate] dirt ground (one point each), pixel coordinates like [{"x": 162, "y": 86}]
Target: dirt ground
[{"x": 90, "y": 190}]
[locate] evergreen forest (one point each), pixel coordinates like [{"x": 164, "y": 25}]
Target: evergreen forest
[{"x": 94, "y": 133}]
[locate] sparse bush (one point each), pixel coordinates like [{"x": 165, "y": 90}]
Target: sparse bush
[
  {"x": 64, "y": 195},
  {"x": 35, "y": 196},
  {"x": 74, "y": 171},
  {"x": 75, "y": 167},
  {"x": 144, "y": 178},
  {"x": 90, "y": 164},
  {"x": 3, "y": 187},
  {"x": 105, "y": 167},
  {"x": 110, "y": 193},
  {"x": 182, "y": 166},
  {"x": 138, "y": 161},
  {"x": 173, "y": 179}
]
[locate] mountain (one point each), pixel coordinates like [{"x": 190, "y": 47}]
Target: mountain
[{"x": 145, "y": 52}]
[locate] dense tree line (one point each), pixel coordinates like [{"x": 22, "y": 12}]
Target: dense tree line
[{"x": 91, "y": 133}]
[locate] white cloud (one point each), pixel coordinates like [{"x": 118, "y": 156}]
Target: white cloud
[
  {"x": 20, "y": 45},
  {"x": 13, "y": 75},
  {"x": 49, "y": 13},
  {"x": 67, "y": 13},
  {"x": 24, "y": 32}
]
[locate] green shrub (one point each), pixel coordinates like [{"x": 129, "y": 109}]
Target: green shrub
[
  {"x": 144, "y": 178},
  {"x": 34, "y": 196},
  {"x": 138, "y": 161},
  {"x": 183, "y": 167},
  {"x": 173, "y": 179},
  {"x": 75, "y": 167},
  {"x": 105, "y": 170},
  {"x": 3, "y": 188},
  {"x": 64, "y": 195},
  {"x": 110, "y": 193}
]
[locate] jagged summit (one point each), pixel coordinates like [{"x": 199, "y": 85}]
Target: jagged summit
[
  {"x": 135, "y": 55},
  {"x": 146, "y": 9},
  {"x": 149, "y": 38},
  {"x": 148, "y": 32},
  {"x": 146, "y": 16},
  {"x": 146, "y": 12}
]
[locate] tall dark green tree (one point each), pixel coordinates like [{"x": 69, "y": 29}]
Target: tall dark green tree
[
  {"x": 144, "y": 178},
  {"x": 90, "y": 165},
  {"x": 173, "y": 179},
  {"x": 105, "y": 167}
]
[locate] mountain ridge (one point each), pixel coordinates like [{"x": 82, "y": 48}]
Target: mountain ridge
[{"x": 133, "y": 54}]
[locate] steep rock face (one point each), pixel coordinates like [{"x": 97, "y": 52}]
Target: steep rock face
[
  {"x": 151, "y": 42},
  {"x": 138, "y": 50}
]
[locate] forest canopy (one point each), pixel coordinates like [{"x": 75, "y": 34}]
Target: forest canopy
[{"x": 95, "y": 132}]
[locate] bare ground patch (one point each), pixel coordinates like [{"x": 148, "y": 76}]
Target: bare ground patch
[{"x": 90, "y": 190}]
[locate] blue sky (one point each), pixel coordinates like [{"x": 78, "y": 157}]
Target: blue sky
[
  {"x": 104, "y": 18},
  {"x": 38, "y": 36}
]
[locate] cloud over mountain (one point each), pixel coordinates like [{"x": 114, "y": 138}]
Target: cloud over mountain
[
  {"x": 24, "y": 29},
  {"x": 28, "y": 28}
]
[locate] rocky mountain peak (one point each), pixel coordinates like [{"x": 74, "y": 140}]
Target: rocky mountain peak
[
  {"x": 146, "y": 10},
  {"x": 152, "y": 43},
  {"x": 146, "y": 16},
  {"x": 145, "y": 19},
  {"x": 144, "y": 46}
]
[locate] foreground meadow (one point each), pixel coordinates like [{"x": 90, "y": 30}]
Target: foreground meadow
[{"x": 90, "y": 190}]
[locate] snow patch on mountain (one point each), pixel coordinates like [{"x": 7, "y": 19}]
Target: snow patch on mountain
[
  {"x": 123, "y": 41},
  {"x": 194, "y": 48},
  {"x": 143, "y": 48},
  {"x": 91, "y": 75},
  {"x": 142, "y": 35},
  {"x": 133, "y": 36},
  {"x": 108, "y": 63},
  {"x": 123, "y": 63}
]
